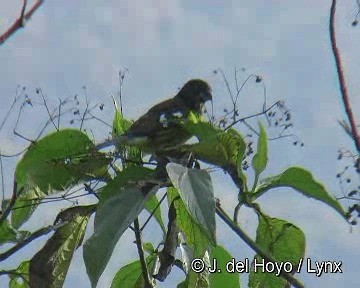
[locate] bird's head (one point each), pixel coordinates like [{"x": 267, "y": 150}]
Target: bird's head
[{"x": 195, "y": 93}]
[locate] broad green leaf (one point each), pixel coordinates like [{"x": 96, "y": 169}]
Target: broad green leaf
[
  {"x": 25, "y": 205},
  {"x": 284, "y": 242},
  {"x": 120, "y": 203},
  {"x": 196, "y": 240},
  {"x": 219, "y": 257},
  {"x": 49, "y": 266},
  {"x": 60, "y": 160},
  {"x": 7, "y": 233},
  {"x": 221, "y": 148},
  {"x": 260, "y": 159},
  {"x": 21, "y": 279},
  {"x": 130, "y": 276},
  {"x": 196, "y": 191},
  {"x": 130, "y": 175},
  {"x": 151, "y": 205},
  {"x": 302, "y": 181}
]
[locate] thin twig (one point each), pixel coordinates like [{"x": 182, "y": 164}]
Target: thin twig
[
  {"x": 86, "y": 109},
  {"x": 340, "y": 72},
  {"x": 32, "y": 237},
  {"x": 8, "y": 209},
  {"x": 242, "y": 86},
  {"x": 144, "y": 268},
  {"x": 251, "y": 116},
  {"x": 2, "y": 178},
  {"x": 19, "y": 23},
  {"x": 47, "y": 108},
  {"x": 153, "y": 212},
  {"x": 16, "y": 98},
  {"x": 59, "y": 112},
  {"x": 227, "y": 86}
]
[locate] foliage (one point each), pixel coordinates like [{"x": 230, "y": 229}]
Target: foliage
[{"x": 66, "y": 158}]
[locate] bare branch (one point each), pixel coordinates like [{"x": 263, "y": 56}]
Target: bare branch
[
  {"x": 32, "y": 237},
  {"x": 19, "y": 23},
  {"x": 39, "y": 91},
  {"x": 153, "y": 212},
  {"x": 340, "y": 72},
  {"x": 121, "y": 83},
  {"x": 145, "y": 271},
  {"x": 252, "y": 116},
  {"x": 8, "y": 209}
]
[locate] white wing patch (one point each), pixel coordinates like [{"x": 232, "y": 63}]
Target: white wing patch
[
  {"x": 164, "y": 121},
  {"x": 178, "y": 114}
]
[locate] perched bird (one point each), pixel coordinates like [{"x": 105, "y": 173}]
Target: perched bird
[{"x": 159, "y": 129}]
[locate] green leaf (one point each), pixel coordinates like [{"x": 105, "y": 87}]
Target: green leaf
[
  {"x": 148, "y": 247},
  {"x": 56, "y": 162},
  {"x": 195, "y": 238},
  {"x": 196, "y": 191},
  {"x": 60, "y": 160},
  {"x": 151, "y": 205},
  {"x": 49, "y": 266},
  {"x": 302, "y": 181},
  {"x": 284, "y": 242},
  {"x": 25, "y": 205},
  {"x": 120, "y": 203},
  {"x": 260, "y": 159},
  {"x": 7, "y": 233},
  {"x": 130, "y": 276},
  {"x": 130, "y": 175},
  {"x": 183, "y": 284},
  {"x": 221, "y": 148},
  {"x": 21, "y": 279},
  {"x": 120, "y": 124},
  {"x": 221, "y": 258}
]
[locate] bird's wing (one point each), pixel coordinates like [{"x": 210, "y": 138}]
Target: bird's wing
[{"x": 157, "y": 118}]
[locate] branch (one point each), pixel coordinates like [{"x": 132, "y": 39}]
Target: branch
[
  {"x": 144, "y": 268},
  {"x": 19, "y": 23},
  {"x": 340, "y": 72},
  {"x": 168, "y": 254},
  {"x": 33, "y": 236},
  {"x": 252, "y": 116},
  {"x": 8, "y": 209},
  {"x": 222, "y": 214}
]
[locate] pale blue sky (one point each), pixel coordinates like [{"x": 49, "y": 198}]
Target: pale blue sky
[{"x": 164, "y": 43}]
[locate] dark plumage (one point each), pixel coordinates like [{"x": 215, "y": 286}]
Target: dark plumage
[{"x": 158, "y": 129}]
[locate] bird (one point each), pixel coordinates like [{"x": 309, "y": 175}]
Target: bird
[{"x": 159, "y": 129}]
